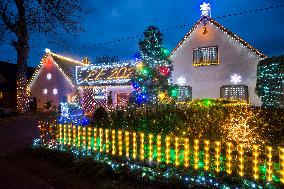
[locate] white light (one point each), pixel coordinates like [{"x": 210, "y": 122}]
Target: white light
[
  {"x": 49, "y": 76},
  {"x": 55, "y": 91},
  {"x": 44, "y": 91},
  {"x": 235, "y": 78},
  {"x": 205, "y": 9},
  {"x": 181, "y": 81},
  {"x": 47, "y": 50}
]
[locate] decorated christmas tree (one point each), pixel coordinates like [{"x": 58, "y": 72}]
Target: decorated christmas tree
[{"x": 151, "y": 76}]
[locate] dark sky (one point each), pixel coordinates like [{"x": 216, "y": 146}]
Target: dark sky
[{"x": 113, "y": 19}]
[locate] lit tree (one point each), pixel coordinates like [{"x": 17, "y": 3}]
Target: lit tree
[
  {"x": 151, "y": 76},
  {"x": 25, "y": 17}
]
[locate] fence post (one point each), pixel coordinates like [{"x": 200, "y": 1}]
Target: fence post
[
  {"x": 113, "y": 150},
  {"x": 168, "y": 143},
  {"x": 95, "y": 139},
  {"x": 196, "y": 153},
  {"x": 126, "y": 135},
  {"x": 241, "y": 159},
  {"x": 74, "y": 135},
  {"x": 255, "y": 154},
  {"x": 281, "y": 163},
  {"x": 206, "y": 155},
  {"x": 107, "y": 140},
  {"x": 134, "y": 153},
  {"x": 159, "y": 148},
  {"x": 150, "y": 147},
  {"x": 101, "y": 139},
  {"x": 229, "y": 157},
  {"x": 217, "y": 155},
  {"x": 89, "y": 138},
  {"x": 79, "y": 137},
  {"x": 176, "y": 151},
  {"x": 269, "y": 163},
  {"x": 119, "y": 142},
  {"x": 142, "y": 146}
]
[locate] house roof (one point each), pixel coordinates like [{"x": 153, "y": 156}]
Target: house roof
[
  {"x": 66, "y": 65},
  {"x": 222, "y": 28}
]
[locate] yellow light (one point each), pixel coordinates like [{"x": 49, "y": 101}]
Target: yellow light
[
  {"x": 150, "y": 147},
  {"x": 64, "y": 133},
  {"x": 229, "y": 157},
  {"x": 140, "y": 65},
  {"x": 255, "y": 154},
  {"x": 161, "y": 95},
  {"x": 84, "y": 137},
  {"x": 241, "y": 158},
  {"x": 89, "y": 138},
  {"x": 79, "y": 137},
  {"x": 217, "y": 155},
  {"x": 269, "y": 170},
  {"x": 101, "y": 139},
  {"x": 69, "y": 134},
  {"x": 60, "y": 134},
  {"x": 95, "y": 139},
  {"x": 134, "y": 154},
  {"x": 168, "y": 143},
  {"x": 206, "y": 154},
  {"x": 74, "y": 135},
  {"x": 107, "y": 140},
  {"x": 177, "y": 151},
  {"x": 186, "y": 152},
  {"x": 113, "y": 151},
  {"x": 119, "y": 142},
  {"x": 142, "y": 146},
  {"x": 281, "y": 163},
  {"x": 196, "y": 153},
  {"x": 159, "y": 148},
  {"x": 127, "y": 143}
]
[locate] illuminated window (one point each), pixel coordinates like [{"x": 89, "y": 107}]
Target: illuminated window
[
  {"x": 234, "y": 92},
  {"x": 184, "y": 93},
  {"x": 205, "y": 56},
  {"x": 1, "y": 95}
]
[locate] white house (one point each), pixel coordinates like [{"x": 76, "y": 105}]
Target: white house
[{"x": 216, "y": 63}]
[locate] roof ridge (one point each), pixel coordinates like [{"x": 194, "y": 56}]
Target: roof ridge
[{"x": 225, "y": 30}]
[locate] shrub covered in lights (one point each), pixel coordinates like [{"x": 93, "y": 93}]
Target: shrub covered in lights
[
  {"x": 151, "y": 76},
  {"x": 270, "y": 82}
]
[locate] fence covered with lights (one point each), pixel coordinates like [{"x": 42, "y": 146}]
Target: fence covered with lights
[{"x": 262, "y": 163}]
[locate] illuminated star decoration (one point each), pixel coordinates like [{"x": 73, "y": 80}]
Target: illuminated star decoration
[
  {"x": 235, "y": 78},
  {"x": 44, "y": 91},
  {"x": 205, "y": 9},
  {"x": 49, "y": 76},
  {"x": 55, "y": 91},
  {"x": 181, "y": 81}
]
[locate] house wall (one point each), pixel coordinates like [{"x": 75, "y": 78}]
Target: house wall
[
  {"x": 206, "y": 81},
  {"x": 58, "y": 81}
]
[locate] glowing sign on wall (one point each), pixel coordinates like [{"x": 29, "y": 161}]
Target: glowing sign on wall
[{"x": 103, "y": 75}]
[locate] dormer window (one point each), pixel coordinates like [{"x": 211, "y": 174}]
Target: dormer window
[{"x": 205, "y": 56}]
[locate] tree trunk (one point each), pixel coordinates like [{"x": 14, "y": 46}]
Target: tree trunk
[{"x": 22, "y": 48}]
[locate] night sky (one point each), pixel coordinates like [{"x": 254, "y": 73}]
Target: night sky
[{"x": 112, "y": 20}]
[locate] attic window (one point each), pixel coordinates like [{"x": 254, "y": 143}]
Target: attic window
[{"x": 205, "y": 56}]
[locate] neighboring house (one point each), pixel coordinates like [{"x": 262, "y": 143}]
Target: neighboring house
[
  {"x": 216, "y": 63},
  {"x": 8, "y": 77}
]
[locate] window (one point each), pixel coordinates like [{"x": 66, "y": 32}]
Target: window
[
  {"x": 205, "y": 56},
  {"x": 184, "y": 93},
  {"x": 234, "y": 92}
]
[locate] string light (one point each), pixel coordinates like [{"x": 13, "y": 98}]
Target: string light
[
  {"x": 101, "y": 139},
  {"x": 196, "y": 153},
  {"x": 159, "y": 148},
  {"x": 269, "y": 163},
  {"x": 69, "y": 134},
  {"x": 134, "y": 154},
  {"x": 281, "y": 163},
  {"x": 84, "y": 138},
  {"x": 186, "y": 152},
  {"x": 150, "y": 147},
  {"x": 142, "y": 146},
  {"x": 168, "y": 143},
  {"x": 206, "y": 154},
  {"x": 217, "y": 155},
  {"x": 60, "y": 134},
  {"x": 65, "y": 134},
  {"x": 126, "y": 133},
  {"x": 95, "y": 139},
  {"x": 119, "y": 142},
  {"x": 113, "y": 151},
  {"x": 74, "y": 135},
  {"x": 255, "y": 155},
  {"x": 107, "y": 140},
  {"x": 79, "y": 136},
  {"x": 241, "y": 158},
  {"x": 229, "y": 157},
  {"x": 177, "y": 151}
]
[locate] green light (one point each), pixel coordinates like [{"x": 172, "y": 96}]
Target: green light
[
  {"x": 207, "y": 102},
  {"x": 165, "y": 51}
]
